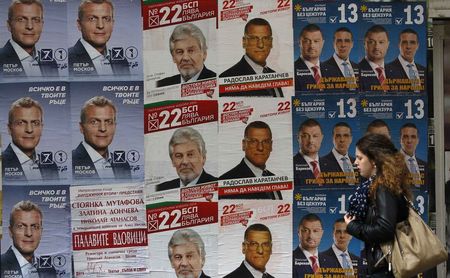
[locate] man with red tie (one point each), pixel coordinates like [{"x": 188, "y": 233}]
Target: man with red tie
[
  {"x": 308, "y": 68},
  {"x": 306, "y": 259},
  {"x": 307, "y": 166},
  {"x": 372, "y": 68}
]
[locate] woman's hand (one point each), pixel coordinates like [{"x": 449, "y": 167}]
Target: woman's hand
[{"x": 348, "y": 218}]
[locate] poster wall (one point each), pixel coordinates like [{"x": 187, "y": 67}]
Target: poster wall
[{"x": 200, "y": 138}]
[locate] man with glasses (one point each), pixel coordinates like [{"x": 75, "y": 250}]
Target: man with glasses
[
  {"x": 257, "y": 248},
  {"x": 25, "y": 230},
  {"x": 19, "y": 56},
  {"x": 306, "y": 258},
  {"x": 90, "y": 56},
  {"x": 257, "y": 145},
  {"x": 21, "y": 162},
  {"x": 189, "y": 50},
  {"x": 257, "y": 42},
  {"x": 92, "y": 159}
]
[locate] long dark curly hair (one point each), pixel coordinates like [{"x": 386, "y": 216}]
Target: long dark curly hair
[{"x": 392, "y": 171}]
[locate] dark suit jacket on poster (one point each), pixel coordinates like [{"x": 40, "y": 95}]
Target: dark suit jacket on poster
[
  {"x": 331, "y": 164},
  {"x": 8, "y": 56},
  {"x": 78, "y": 54},
  {"x": 242, "y": 272},
  {"x": 332, "y": 70},
  {"x": 10, "y": 267},
  {"x": 331, "y": 261},
  {"x": 300, "y": 176},
  {"x": 204, "y": 177},
  {"x": 10, "y": 160},
  {"x": 203, "y": 275},
  {"x": 304, "y": 77},
  {"x": 300, "y": 264},
  {"x": 423, "y": 169},
  {"x": 368, "y": 77},
  {"x": 80, "y": 157},
  {"x": 396, "y": 71},
  {"x": 243, "y": 68},
  {"x": 243, "y": 171},
  {"x": 172, "y": 80}
]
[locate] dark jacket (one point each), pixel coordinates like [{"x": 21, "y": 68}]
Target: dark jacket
[
  {"x": 243, "y": 68},
  {"x": 242, "y": 272},
  {"x": 385, "y": 211},
  {"x": 10, "y": 267},
  {"x": 49, "y": 171},
  {"x": 243, "y": 171},
  {"x": 80, "y": 63},
  {"x": 8, "y": 56},
  {"x": 175, "y": 79},
  {"x": 175, "y": 183},
  {"x": 81, "y": 158}
]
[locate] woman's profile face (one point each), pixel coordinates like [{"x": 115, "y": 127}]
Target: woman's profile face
[{"x": 365, "y": 166}]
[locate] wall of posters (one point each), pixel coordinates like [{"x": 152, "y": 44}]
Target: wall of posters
[{"x": 200, "y": 138}]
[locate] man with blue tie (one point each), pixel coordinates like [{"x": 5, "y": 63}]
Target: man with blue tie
[
  {"x": 339, "y": 65},
  {"x": 409, "y": 139},
  {"x": 404, "y": 66},
  {"x": 338, "y": 159},
  {"x": 338, "y": 255}
]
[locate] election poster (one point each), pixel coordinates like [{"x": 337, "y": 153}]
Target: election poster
[
  {"x": 39, "y": 230},
  {"x": 109, "y": 236},
  {"x": 106, "y": 126},
  {"x": 181, "y": 150},
  {"x": 257, "y": 233},
  {"x": 34, "y": 126},
  {"x": 263, "y": 33},
  {"x": 393, "y": 40},
  {"x": 33, "y": 40},
  {"x": 254, "y": 157},
  {"x": 325, "y": 128},
  {"x": 326, "y": 46},
  {"x": 403, "y": 119},
  {"x": 101, "y": 45},
  {"x": 180, "y": 38},
  {"x": 319, "y": 229},
  {"x": 171, "y": 249}
]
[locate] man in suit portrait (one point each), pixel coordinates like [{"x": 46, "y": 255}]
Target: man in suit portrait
[
  {"x": 187, "y": 152},
  {"x": 21, "y": 162},
  {"x": 257, "y": 146},
  {"x": 308, "y": 68},
  {"x": 404, "y": 66},
  {"x": 92, "y": 158},
  {"x": 90, "y": 55},
  {"x": 189, "y": 51},
  {"x": 19, "y": 56},
  {"x": 257, "y": 248},
  {"x": 187, "y": 254},
  {"x": 338, "y": 255},
  {"x": 339, "y": 64},
  {"x": 409, "y": 139},
  {"x": 257, "y": 42},
  {"x": 339, "y": 160},
  {"x": 25, "y": 230},
  {"x": 307, "y": 165},
  {"x": 379, "y": 126},
  {"x": 306, "y": 258},
  {"x": 372, "y": 69}
]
